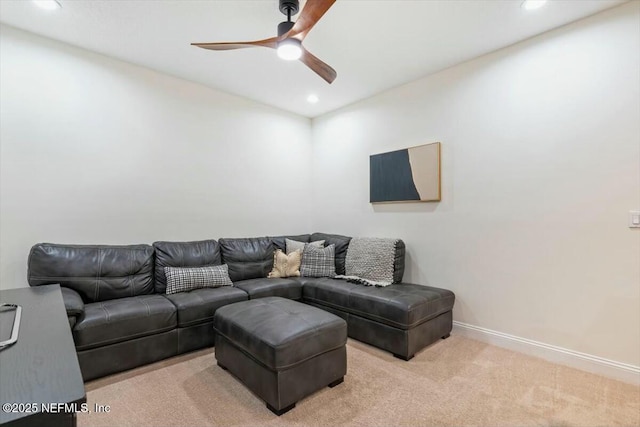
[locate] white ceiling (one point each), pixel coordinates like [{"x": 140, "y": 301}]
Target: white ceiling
[{"x": 373, "y": 45}]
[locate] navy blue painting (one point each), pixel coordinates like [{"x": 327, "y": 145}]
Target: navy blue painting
[
  {"x": 412, "y": 174},
  {"x": 391, "y": 178}
]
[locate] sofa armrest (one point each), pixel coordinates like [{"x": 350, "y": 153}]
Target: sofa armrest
[{"x": 72, "y": 302}]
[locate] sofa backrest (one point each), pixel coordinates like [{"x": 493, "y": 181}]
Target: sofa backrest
[
  {"x": 247, "y": 258},
  {"x": 342, "y": 244},
  {"x": 96, "y": 272},
  {"x": 183, "y": 254}
]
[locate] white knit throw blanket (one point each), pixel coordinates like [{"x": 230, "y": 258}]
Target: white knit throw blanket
[{"x": 370, "y": 261}]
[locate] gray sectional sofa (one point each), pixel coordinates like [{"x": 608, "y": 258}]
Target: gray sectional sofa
[{"x": 121, "y": 316}]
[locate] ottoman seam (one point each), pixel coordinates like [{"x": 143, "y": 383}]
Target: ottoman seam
[{"x": 280, "y": 368}]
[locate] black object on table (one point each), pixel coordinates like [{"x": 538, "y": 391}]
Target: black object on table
[{"x": 40, "y": 379}]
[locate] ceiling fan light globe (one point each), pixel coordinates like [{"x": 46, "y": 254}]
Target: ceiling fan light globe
[{"x": 290, "y": 49}]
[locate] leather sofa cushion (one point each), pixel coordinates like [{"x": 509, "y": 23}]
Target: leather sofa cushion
[
  {"x": 248, "y": 258},
  {"x": 260, "y": 288},
  {"x": 278, "y": 332},
  {"x": 342, "y": 244},
  {"x": 96, "y": 272},
  {"x": 280, "y": 241},
  {"x": 402, "y": 305},
  {"x": 199, "y": 306},
  {"x": 123, "y": 319},
  {"x": 183, "y": 254},
  {"x": 331, "y": 292}
]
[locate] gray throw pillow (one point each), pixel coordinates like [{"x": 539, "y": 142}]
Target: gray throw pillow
[
  {"x": 184, "y": 279},
  {"x": 294, "y": 245},
  {"x": 318, "y": 262}
]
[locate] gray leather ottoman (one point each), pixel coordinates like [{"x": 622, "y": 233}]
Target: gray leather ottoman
[{"x": 280, "y": 349}]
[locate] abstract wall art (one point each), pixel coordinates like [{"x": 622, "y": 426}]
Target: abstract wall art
[{"x": 409, "y": 175}]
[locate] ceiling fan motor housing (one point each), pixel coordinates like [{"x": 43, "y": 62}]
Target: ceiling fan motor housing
[
  {"x": 289, "y": 7},
  {"x": 284, "y": 27}
]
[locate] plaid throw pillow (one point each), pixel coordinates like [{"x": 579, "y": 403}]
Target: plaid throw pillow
[
  {"x": 184, "y": 279},
  {"x": 318, "y": 262}
]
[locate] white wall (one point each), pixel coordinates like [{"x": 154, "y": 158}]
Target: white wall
[
  {"x": 94, "y": 150},
  {"x": 541, "y": 164}
]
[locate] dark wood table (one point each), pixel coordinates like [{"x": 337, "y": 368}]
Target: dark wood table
[{"x": 40, "y": 379}]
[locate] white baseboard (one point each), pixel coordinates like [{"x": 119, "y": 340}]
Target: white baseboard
[{"x": 574, "y": 359}]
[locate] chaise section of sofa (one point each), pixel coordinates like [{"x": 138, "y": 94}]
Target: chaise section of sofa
[{"x": 401, "y": 318}]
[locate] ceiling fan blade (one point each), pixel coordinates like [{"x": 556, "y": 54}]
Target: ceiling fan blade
[
  {"x": 272, "y": 43},
  {"x": 318, "y": 67},
  {"x": 310, "y": 15}
]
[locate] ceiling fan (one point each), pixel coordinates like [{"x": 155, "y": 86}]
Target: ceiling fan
[{"x": 288, "y": 43}]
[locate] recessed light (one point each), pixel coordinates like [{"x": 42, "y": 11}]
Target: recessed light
[
  {"x": 533, "y": 4},
  {"x": 48, "y": 4},
  {"x": 312, "y": 99}
]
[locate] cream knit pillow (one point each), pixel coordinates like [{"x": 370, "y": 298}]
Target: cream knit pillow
[{"x": 286, "y": 265}]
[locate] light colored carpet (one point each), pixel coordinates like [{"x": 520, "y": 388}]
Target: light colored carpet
[{"x": 455, "y": 382}]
